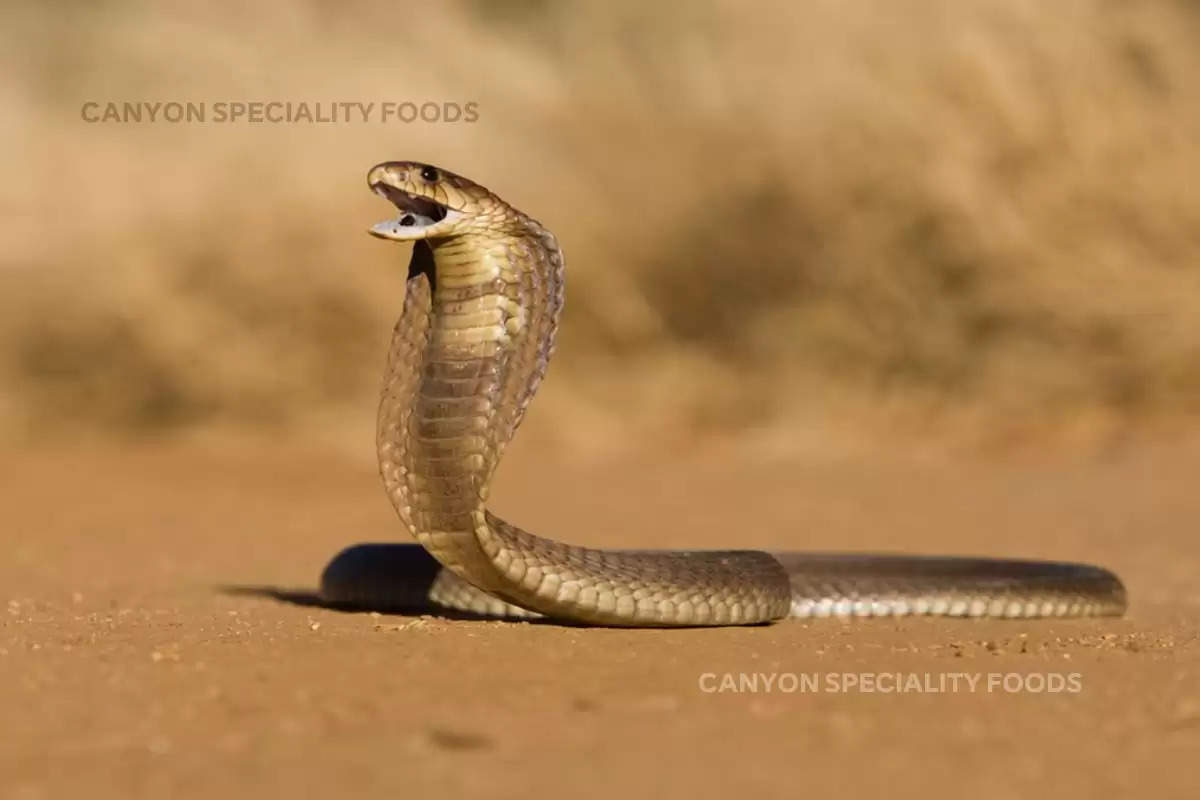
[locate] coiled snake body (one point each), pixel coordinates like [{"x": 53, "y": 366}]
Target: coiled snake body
[{"x": 484, "y": 294}]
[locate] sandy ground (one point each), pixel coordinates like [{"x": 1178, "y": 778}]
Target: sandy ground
[{"x": 130, "y": 667}]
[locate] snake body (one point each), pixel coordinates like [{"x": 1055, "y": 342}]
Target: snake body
[{"x": 482, "y": 304}]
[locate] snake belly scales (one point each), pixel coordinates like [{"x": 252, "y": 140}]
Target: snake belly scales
[{"x": 482, "y": 304}]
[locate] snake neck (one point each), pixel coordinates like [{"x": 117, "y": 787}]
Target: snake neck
[{"x": 468, "y": 354}]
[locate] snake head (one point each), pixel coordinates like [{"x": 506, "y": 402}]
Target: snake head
[{"x": 434, "y": 203}]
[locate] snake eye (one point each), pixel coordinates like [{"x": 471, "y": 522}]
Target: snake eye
[{"x": 429, "y": 174}]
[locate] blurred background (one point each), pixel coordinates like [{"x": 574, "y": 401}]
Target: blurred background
[{"x": 796, "y": 223}]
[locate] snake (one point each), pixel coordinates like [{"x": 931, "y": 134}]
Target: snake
[{"x": 483, "y": 300}]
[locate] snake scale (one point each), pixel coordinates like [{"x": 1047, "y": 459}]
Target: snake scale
[{"x": 482, "y": 304}]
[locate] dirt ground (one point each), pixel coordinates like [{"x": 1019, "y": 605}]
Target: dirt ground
[{"x": 138, "y": 658}]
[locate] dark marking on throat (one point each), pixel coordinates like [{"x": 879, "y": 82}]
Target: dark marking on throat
[{"x": 422, "y": 264}]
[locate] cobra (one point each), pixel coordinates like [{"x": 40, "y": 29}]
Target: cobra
[{"x": 483, "y": 301}]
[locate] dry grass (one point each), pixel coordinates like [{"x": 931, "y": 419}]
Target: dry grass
[{"x": 944, "y": 211}]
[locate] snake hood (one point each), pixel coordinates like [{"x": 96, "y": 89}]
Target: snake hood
[{"x": 434, "y": 203}]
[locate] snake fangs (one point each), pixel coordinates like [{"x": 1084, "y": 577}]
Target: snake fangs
[{"x": 484, "y": 294}]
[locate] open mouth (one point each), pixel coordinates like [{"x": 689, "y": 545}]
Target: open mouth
[{"x": 416, "y": 213}]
